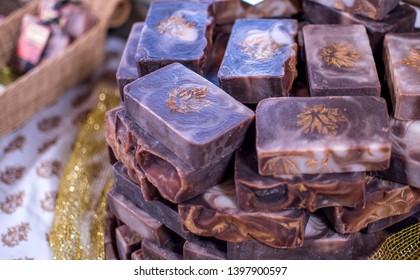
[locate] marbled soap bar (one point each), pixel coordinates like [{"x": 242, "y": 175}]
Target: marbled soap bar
[
  {"x": 384, "y": 200},
  {"x": 226, "y": 11},
  {"x": 399, "y": 20},
  {"x": 216, "y": 214},
  {"x": 373, "y": 9},
  {"x": 192, "y": 117},
  {"x": 402, "y": 60},
  {"x": 175, "y": 180},
  {"x": 172, "y": 250},
  {"x": 127, "y": 241},
  {"x": 405, "y": 156},
  {"x": 127, "y": 69},
  {"x": 204, "y": 250},
  {"x": 175, "y": 32},
  {"x": 339, "y": 61},
  {"x": 311, "y": 192},
  {"x": 305, "y": 135},
  {"x": 272, "y": 9},
  {"x": 260, "y": 59},
  {"x": 147, "y": 226}
]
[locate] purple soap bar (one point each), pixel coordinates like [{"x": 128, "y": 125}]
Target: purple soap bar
[
  {"x": 384, "y": 200},
  {"x": 140, "y": 221},
  {"x": 339, "y": 61},
  {"x": 127, "y": 69},
  {"x": 171, "y": 250},
  {"x": 216, "y": 214},
  {"x": 402, "y": 60},
  {"x": 164, "y": 171},
  {"x": 260, "y": 59},
  {"x": 311, "y": 192},
  {"x": 127, "y": 241},
  {"x": 175, "y": 32},
  {"x": 272, "y": 9},
  {"x": 373, "y": 9},
  {"x": 399, "y": 20},
  {"x": 405, "y": 156},
  {"x": 192, "y": 117},
  {"x": 305, "y": 135},
  {"x": 204, "y": 250}
]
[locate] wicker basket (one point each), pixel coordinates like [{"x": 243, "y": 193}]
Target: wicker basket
[{"x": 43, "y": 84}]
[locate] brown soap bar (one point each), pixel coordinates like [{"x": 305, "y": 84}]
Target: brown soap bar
[
  {"x": 127, "y": 241},
  {"x": 171, "y": 250},
  {"x": 137, "y": 255},
  {"x": 405, "y": 155},
  {"x": 272, "y": 9},
  {"x": 204, "y": 250},
  {"x": 384, "y": 200},
  {"x": 402, "y": 60},
  {"x": 221, "y": 38},
  {"x": 216, "y": 214},
  {"x": 226, "y": 11},
  {"x": 270, "y": 194},
  {"x": 298, "y": 135},
  {"x": 140, "y": 221},
  {"x": 175, "y": 32},
  {"x": 339, "y": 61},
  {"x": 373, "y": 9},
  {"x": 399, "y": 20},
  {"x": 175, "y": 180},
  {"x": 260, "y": 59},
  {"x": 110, "y": 249},
  {"x": 192, "y": 117},
  {"x": 127, "y": 69}
]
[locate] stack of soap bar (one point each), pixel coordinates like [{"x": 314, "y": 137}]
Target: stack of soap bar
[
  {"x": 192, "y": 117},
  {"x": 373, "y": 9},
  {"x": 402, "y": 60},
  {"x": 339, "y": 61},
  {"x": 399, "y": 20},
  {"x": 260, "y": 59},
  {"x": 322, "y": 135},
  {"x": 175, "y": 32}
]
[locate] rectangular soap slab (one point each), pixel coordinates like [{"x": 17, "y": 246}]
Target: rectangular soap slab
[
  {"x": 172, "y": 250},
  {"x": 269, "y": 194},
  {"x": 306, "y": 135},
  {"x": 399, "y": 20},
  {"x": 204, "y": 250},
  {"x": 402, "y": 60},
  {"x": 405, "y": 156},
  {"x": 127, "y": 241},
  {"x": 127, "y": 69},
  {"x": 339, "y": 61},
  {"x": 164, "y": 171},
  {"x": 373, "y": 9},
  {"x": 384, "y": 200},
  {"x": 260, "y": 59},
  {"x": 175, "y": 32},
  {"x": 216, "y": 214},
  {"x": 140, "y": 221},
  {"x": 192, "y": 117}
]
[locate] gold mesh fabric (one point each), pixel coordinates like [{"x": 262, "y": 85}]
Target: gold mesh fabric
[
  {"x": 403, "y": 245},
  {"x": 78, "y": 228}
]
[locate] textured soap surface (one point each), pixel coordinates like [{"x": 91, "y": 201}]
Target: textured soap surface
[
  {"x": 373, "y": 9},
  {"x": 322, "y": 135},
  {"x": 260, "y": 59},
  {"x": 402, "y": 62},
  {"x": 192, "y": 117},
  {"x": 339, "y": 61},
  {"x": 175, "y": 32}
]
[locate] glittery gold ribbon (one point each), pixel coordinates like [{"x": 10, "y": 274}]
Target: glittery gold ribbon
[{"x": 78, "y": 227}]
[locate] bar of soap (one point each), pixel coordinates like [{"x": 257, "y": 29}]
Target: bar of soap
[
  {"x": 260, "y": 59},
  {"x": 339, "y": 61},
  {"x": 127, "y": 69},
  {"x": 402, "y": 60},
  {"x": 305, "y": 135},
  {"x": 110, "y": 249},
  {"x": 137, "y": 255},
  {"x": 271, "y": 9},
  {"x": 128, "y": 241},
  {"x": 175, "y": 180},
  {"x": 373, "y": 9},
  {"x": 311, "y": 192},
  {"x": 405, "y": 156},
  {"x": 172, "y": 250},
  {"x": 204, "y": 250},
  {"x": 140, "y": 221},
  {"x": 384, "y": 200},
  {"x": 399, "y": 20},
  {"x": 175, "y": 32},
  {"x": 226, "y": 11},
  {"x": 216, "y": 214},
  {"x": 221, "y": 35},
  {"x": 192, "y": 117}
]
